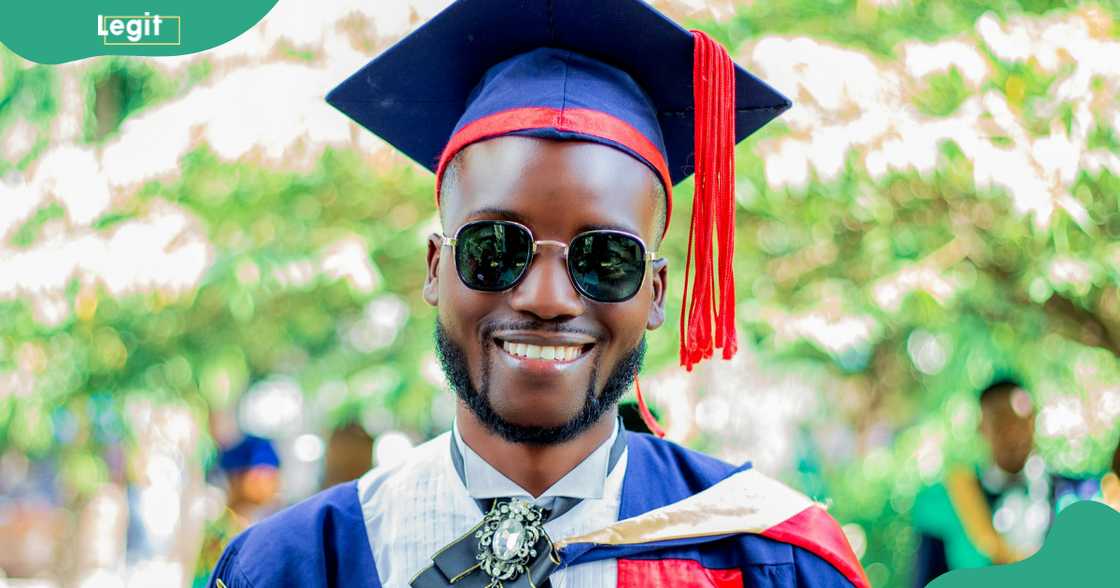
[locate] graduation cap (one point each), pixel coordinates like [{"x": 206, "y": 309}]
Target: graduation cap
[
  {"x": 614, "y": 72},
  {"x": 250, "y": 452}
]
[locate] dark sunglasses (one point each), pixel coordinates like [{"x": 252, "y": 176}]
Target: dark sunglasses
[{"x": 603, "y": 265}]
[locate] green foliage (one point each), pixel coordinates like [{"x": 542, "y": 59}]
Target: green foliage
[
  {"x": 875, "y": 26},
  {"x": 944, "y": 94},
  {"x": 118, "y": 88},
  {"x": 29, "y": 231},
  {"x": 27, "y": 95}
]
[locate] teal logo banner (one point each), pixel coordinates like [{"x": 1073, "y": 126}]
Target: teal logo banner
[
  {"x": 61, "y": 31},
  {"x": 1080, "y": 550}
]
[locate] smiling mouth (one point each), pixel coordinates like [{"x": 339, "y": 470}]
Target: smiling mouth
[{"x": 556, "y": 353}]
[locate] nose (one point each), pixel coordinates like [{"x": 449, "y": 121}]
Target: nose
[{"x": 545, "y": 291}]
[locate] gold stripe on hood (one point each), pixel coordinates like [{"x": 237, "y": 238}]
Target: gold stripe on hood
[{"x": 745, "y": 502}]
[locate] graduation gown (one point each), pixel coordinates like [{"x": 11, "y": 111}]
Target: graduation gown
[{"x": 685, "y": 520}]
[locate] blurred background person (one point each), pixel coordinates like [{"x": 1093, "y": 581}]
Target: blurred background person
[
  {"x": 349, "y": 454},
  {"x": 252, "y": 469},
  {"x": 996, "y": 513},
  {"x": 32, "y": 520},
  {"x": 1110, "y": 483}
]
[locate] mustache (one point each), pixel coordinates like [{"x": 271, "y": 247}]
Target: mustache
[{"x": 490, "y": 327}]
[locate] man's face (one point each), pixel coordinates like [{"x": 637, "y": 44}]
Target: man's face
[
  {"x": 557, "y": 189},
  {"x": 1007, "y": 423},
  {"x": 257, "y": 486}
]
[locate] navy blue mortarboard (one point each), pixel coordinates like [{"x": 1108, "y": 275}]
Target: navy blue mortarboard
[
  {"x": 615, "y": 72},
  {"x": 250, "y": 452}
]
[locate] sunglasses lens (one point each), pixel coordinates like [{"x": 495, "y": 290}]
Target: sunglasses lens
[
  {"x": 492, "y": 255},
  {"x": 608, "y": 267}
]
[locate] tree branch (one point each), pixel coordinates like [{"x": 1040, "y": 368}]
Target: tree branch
[{"x": 1082, "y": 325}]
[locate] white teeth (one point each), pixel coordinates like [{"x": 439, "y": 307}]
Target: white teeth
[{"x": 549, "y": 352}]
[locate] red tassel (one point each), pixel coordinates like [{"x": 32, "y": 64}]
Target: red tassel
[
  {"x": 713, "y": 207},
  {"x": 643, "y": 410}
]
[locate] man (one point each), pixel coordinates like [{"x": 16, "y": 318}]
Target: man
[
  {"x": 995, "y": 515},
  {"x": 349, "y": 454},
  {"x": 252, "y": 470},
  {"x": 1110, "y": 482},
  {"x": 557, "y": 129}
]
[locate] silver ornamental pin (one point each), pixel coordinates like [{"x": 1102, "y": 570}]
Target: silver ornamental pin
[{"x": 507, "y": 539}]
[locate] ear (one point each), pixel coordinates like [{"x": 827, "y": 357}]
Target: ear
[
  {"x": 431, "y": 281},
  {"x": 660, "y": 275}
]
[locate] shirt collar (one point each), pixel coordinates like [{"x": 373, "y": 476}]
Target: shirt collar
[{"x": 585, "y": 481}]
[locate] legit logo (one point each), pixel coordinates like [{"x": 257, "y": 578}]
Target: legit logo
[{"x": 150, "y": 29}]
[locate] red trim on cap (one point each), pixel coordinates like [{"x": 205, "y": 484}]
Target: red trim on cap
[
  {"x": 593, "y": 123},
  {"x": 815, "y": 530},
  {"x": 674, "y": 573}
]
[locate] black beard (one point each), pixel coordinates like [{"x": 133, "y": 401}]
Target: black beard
[{"x": 453, "y": 360}]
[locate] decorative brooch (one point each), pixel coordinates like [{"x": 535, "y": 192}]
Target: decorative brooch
[{"x": 507, "y": 540}]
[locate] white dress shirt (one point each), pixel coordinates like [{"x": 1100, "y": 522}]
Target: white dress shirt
[{"x": 413, "y": 509}]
